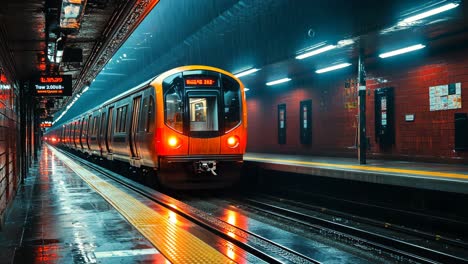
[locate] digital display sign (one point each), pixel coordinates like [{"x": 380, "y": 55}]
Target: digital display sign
[
  {"x": 201, "y": 81},
  {"x": 56, "y": 85},
  {"x": 46, "y": 124}
]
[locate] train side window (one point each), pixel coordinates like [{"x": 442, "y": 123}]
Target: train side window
[
  {"x": 143, "y": 116},
  {"x": 117, "y": 119},
  {"x": 150, "y": 117},
  {"x": 121, "y": 119},
  {"x": 232, "y": 103},
  {"x": 95, "y": 125}
]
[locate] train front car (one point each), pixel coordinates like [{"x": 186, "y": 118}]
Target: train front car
[{"x": 201, "y": 127}]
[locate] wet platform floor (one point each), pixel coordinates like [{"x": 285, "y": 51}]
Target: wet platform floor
[{"x": 57, "y": 218}]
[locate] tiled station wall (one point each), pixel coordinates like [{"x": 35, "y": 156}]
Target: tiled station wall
[
  {"x": 430, "y": 137},
  {"x": 9, "y": 179}
]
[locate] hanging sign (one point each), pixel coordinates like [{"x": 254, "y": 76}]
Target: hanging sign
[{"x": 52, "y": 85}]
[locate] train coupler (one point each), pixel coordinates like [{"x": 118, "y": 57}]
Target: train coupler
[{"x": 206, "y": 166}]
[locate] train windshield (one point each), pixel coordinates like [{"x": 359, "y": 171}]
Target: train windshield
[
  {"x": 232, "y": 103},
  {"x": 174, "y": 105}
]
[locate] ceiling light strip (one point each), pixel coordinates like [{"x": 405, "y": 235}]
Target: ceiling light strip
[
  {"x": 278, "y": 81},
  {"x": 401, "y": 51},
  {"x": 431, "y": 12},
  {"x": 315, "y": 52},
  {"x": 334, "y": 67},
  {"x": 247, "y": 72}
]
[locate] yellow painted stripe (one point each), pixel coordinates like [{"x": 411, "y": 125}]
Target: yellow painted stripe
[
  {"x": 366, "y": 168},
  {"x": 175, "y": 243}
]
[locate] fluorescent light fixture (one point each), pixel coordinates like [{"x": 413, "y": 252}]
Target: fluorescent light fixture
[
  {"x": 401, "y": 51},
  {"x": 246, "y": 89},
  {"x": 315, "y": 52},
  {"x": 334, "y": 67},
  {"x": 247, "y": 72},
  {"x": 430, "y": 12},
  {"x": 278, "y": 81}
]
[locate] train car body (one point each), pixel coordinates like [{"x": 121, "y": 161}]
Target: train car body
[{"x": 188, "y": 124}]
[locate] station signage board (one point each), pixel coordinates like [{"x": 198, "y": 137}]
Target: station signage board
[
  {"x": 45, "y": 124},
  {"x": 52, "y": 85}
]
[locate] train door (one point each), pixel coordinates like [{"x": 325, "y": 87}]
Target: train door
[
  {"x": 109, "y": 129},
  {"x": 134, "y": 127},
  {"x": 203, "y": 126}
]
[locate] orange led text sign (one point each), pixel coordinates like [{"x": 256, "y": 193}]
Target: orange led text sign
[
  {"x": 60, "y": 85},
  {"x": 200, "y": 82}
]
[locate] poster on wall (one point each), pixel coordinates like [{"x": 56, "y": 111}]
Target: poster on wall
[{"x": 445, "y": 97}]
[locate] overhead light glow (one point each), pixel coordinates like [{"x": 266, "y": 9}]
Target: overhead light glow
[
  {"x": 246, "y": 89},
  {"x": 430, "y": 12},
  {"x": 278, "y": 81},
  {"x": 247, "y": 72},
  {"x": 315, "y": 52},
  {"x": 334, "y": 67},
  {"x": 401, "y": 51},
  {"x": 85, "y": 89}
]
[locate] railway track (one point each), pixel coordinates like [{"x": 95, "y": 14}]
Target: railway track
[
  {"x": 254, "y": 244},
  {"x": 394, "y": 246},
  {"x": 430, "y": 236},
  {"x": 450, "y": 229}
]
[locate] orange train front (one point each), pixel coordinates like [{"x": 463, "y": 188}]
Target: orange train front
[{"x": 187, "y": 127}]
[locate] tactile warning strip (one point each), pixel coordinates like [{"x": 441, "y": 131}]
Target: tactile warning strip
[
  {"x": 175, "y": 243},
  {"x": 364, "y": 168}
]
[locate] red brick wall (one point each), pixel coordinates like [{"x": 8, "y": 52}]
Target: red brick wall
[{"x": 429, "y": 138}]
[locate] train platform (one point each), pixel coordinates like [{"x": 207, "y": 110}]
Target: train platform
[
  {"x": 429, "y": 176},
  {"x": 65, "y": 213}
]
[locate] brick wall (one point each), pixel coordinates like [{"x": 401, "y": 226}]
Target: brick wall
[
  {"x": 8, "y": 163},
  {"x": 429, "y": 138}
]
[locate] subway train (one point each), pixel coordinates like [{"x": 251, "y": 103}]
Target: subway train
[{"x": 185, "y": 128}]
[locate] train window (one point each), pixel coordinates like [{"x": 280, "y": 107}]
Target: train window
[
  {"x": 144, "y": 115},
  {"x": 117, "y": 119},
  {"x": 203, "y": 113},
  {"x": 150, "y": 118},
  {"x": 173, "y": 104},
  {"x": 95, "y": 125},
  {"x": 121, "y": 119},
  {"x": 232, "y": 103}
]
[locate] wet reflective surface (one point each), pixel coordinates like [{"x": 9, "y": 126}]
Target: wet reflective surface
[{"x": 57, "y": 218}]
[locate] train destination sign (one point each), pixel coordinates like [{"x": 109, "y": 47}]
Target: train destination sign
[
  {"x": 56, "y": 85},
  {"x": 200, "y": 82}
]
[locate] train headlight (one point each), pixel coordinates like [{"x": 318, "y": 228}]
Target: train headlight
[
  {"x": 233, "y": 141},
  {"x": 173, "y": 142}
]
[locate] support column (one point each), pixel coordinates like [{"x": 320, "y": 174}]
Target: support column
[{"x": 362, "y": 139}]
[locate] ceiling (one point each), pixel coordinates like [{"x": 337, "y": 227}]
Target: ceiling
[
  {"x": 32, "y": 31},
  {"x": 231, "y": 34}
]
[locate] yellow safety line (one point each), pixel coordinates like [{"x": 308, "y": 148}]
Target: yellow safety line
[
  {"x": 366, "y": 168},
  {"x": 175, "y": 243}
]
